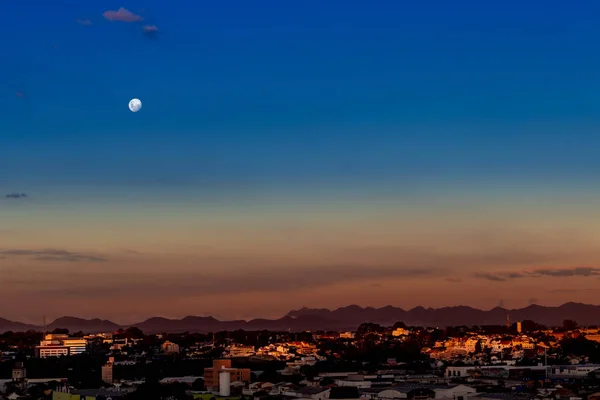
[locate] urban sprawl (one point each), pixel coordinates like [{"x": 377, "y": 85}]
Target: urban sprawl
[{"x": 522, "y": 361}]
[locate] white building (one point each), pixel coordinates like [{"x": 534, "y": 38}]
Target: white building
[
  {"x": 170, "y": 347},
  {"x": 55, "y": 345},
  {"x": 581, "y": 370}
]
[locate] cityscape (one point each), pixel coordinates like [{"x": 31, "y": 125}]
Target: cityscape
[
  {"x": 518, "y": 360},
  {"x": 299, "y": 200}
]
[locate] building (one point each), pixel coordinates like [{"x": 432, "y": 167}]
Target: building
[
  {"x": 573, "y": 371},
  {"x": 107, "y": 371},
  {"x": 76, "y": 345},
  {"x": 55, "y": 345},
  {"x": 170, "y": 347},
  {"x": 406, "y": 392},
  {"x": 519, "y": 327},
  {"x": 57, "y": 350},
  {"x": 211, "y": 375},
  {"x": 19, "y": 375},
  {"x": 91, "y": 394},
  {"x": 594, "y": 396},
  {"x": 400, "y": 332},
  {"x": 593, "y": 337},
  {"x": 313, "y": 393},
  {"x": 239, "y": 351}
]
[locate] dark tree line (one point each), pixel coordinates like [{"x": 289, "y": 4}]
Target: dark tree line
[{"x": 580, "y": 346}]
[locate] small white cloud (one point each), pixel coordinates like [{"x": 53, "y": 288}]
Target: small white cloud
[{"x": 123, "y": 15}]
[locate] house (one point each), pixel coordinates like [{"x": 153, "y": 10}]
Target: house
[
  {"x": 314, "y": 393},
  {"x": 501, "y": 396},
  {"x": 457, "y": 392},
  {"x": 594, "y": 396},
  {"x": 258, "y": 387},
  {"x": 406, "y": 392}
]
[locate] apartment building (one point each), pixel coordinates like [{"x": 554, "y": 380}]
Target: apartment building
[
  {"x": 107, "y": 371},
  {"x": 211, "y": 375},
  {"x": 170, "y": 347}
]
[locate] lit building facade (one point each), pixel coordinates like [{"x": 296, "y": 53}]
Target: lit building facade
[
  {"x": 170, "y": 347},
  {"x": 56, "y": 345},
  {"x": 107, "y": 371}
]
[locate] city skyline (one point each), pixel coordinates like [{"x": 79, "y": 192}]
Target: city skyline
[{"x": 295, "y": 155}]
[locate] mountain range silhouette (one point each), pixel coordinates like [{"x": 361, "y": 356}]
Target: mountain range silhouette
[{"x": 344, "y": 318}]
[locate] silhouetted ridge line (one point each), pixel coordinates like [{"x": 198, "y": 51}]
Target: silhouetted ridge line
[{"x": 343, "y": 318}]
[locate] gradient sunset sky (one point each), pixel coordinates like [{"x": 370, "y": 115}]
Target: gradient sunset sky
[{"x": 289, "y": 154}]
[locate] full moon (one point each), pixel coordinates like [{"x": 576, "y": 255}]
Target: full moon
[{"x": 135, "y": 105}]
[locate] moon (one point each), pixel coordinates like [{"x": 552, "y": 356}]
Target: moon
[{"x": 135, "y": 105}]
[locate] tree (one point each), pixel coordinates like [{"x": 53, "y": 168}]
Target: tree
[
  {"x": 528, "y": 325},
  {"x": 308, "y": 371},
  {"x": 134, "y": 333},
  {"x": 478, "y": 347},
  {"x": 569, "y": 325},
  {"x": 271, "y": 376},
  {"x": 399, "y": 324},
  {"x": 60, "y": 331},
  {"x": 581, "y": 347},
  {"x": 198, "y": 384},
  {"x": 327, "y": 381},
  {"x": 368, "y": 328}
]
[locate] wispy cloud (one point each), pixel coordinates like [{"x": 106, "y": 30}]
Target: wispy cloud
[
  {"x": 150, "y": 31},
  {"x": 123, "y": 15},
  {"x": 97, "y": 284},
  {"x": 84, "y": 22},
  {"x": 52, "y": 255},
  {"x": 16, "y": 196},
  {"x": 498, "y": 276},
  {"x": 454, "y": 279},
  {"x": 537, "y": 273},
  {"x": 533, "y": 300},
  {"x": 132, "y": 252},
  {"x": 150, "y": 28},
  {"x": 568, "y": 291},
  {"x": 577, "y": 271}
]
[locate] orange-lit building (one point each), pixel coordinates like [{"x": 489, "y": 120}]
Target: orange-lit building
[{"x": 211, "y": 375}]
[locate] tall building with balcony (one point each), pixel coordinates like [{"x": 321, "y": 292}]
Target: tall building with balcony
[{"x": 107, "y": 371}]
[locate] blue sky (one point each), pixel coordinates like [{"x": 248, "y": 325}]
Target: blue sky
[
  {"x": 308, "y": 134},
  {"x": 334, "y": 91}
]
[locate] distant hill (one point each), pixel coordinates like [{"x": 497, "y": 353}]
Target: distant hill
[
  {"x": 584, "y": 314},
  {"x": 6, "y": 325},
  {"x": 83, "y": 325},
  {"x": 344, "y": 318}
]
